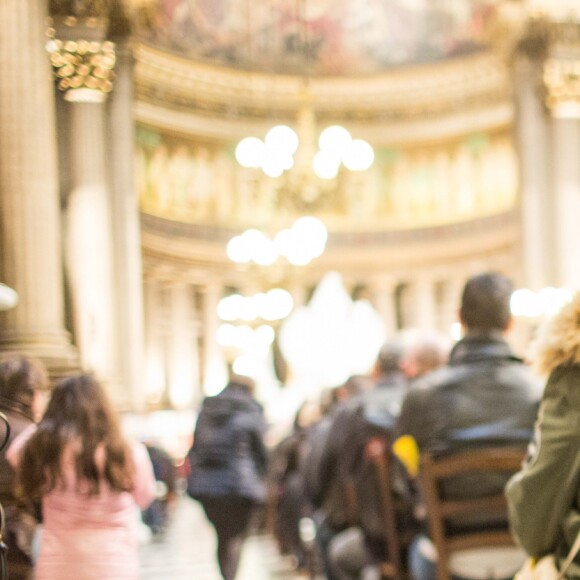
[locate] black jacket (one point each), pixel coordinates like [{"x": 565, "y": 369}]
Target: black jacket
[
  {"x": 484, "y": 397},
  {"x": 357, "y": 419},
  {"x": 228, "y": 456}
]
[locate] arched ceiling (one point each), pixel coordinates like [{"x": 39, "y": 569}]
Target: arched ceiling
[{"x": 316, "y": 37}]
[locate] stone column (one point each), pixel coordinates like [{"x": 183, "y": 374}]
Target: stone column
[
  {"x": 566, "y": 203},
  {"x": 89, "y": 248},
  {"x": 450, "y": 302},
  {"x": 154, "y": 368},
  {"x": 83, "y": 62},
  {"x": 182, "y": 348},
  {"x": 533, "y": 140},
  {"x": 31, "y": 260},
  {"x": 384, "y": 302},
  {"x": 214, "y": 363},
  {"x": 422, "y": 305},
  {"x": 126, "y": 229}
]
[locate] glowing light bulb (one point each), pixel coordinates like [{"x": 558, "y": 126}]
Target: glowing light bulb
[
  {"x": 282, "y": 137},
  {"x": 334, "y": 139},
  {"x": 359, "y": 156},
  {"x": 250, "y": 152}
]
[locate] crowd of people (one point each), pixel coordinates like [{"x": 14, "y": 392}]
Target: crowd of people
[
  {"x": 422, "y": 399},
  {"x": 70, "y": 467}
]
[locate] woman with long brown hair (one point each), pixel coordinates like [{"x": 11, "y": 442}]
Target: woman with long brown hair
[
  {"x": 90, "y": 481},
  {"x": 21, "y": 379}
]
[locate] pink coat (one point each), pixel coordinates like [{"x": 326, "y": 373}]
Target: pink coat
[{"x": 90, "y": 537}]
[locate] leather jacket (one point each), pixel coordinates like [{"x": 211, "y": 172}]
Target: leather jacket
[{"x": 484, "y": 397}]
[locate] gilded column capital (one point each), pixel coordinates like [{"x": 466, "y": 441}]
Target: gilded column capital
[
  {"x": 83, "y": 69},
  {"x": 80, "y": 9},
  {"x": 561, "y": 73},
  {"x": 82, "y": 58}
]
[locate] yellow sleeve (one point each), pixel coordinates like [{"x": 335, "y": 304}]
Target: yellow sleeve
[{"x": 407, "y": 451}]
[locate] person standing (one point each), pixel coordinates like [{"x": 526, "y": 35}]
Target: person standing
[
  {"x": 21, "y": 379},
  {"x": 550, "y": 479},
  {"x": 90, "y": 481},
  {"x": 228, "y": 462},
  {"x": 484, "y": 397}
]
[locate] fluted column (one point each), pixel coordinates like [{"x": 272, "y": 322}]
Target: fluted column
[
  {"x": 214, "y": 363},
  {"x": 126, "y": 230},
  {"x": 450, "y": 302},
  {"x": 31, "y": 260},
  {"x": 154, "y": 367},
  {"x": 182, "y": 348},
  {"x": 89, "y": 248},
  {"x": 533, "y": 138},
  {"x": 422, "y": 307},
  {"x": 566, "y": 202},
  {"x": 385, "y": 303}
]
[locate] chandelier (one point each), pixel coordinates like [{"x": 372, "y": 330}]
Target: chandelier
[
  {"x": 299, "y": 244},
  {"x": 283, "y": 148}
]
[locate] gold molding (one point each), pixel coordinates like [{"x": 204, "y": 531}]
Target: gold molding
[
  {"x": 195, "y": 253},
  {"x": 176, "y": 83}
]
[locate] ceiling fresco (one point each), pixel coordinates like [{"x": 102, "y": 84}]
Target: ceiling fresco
[{"x": 317, "y": 37}]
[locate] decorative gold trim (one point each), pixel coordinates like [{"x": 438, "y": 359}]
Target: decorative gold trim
[{"x": 422, "y": 91}]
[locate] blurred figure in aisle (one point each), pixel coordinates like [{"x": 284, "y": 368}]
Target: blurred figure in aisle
[
  {"x": 21, "y": 379},
  {"x": 90, "y": 481},
  {"x": 550, "y": 478},
  {"x": 359, "y": 549},
  {"x": 228, "y": 462},
  {"x": 286, "y": 484},
  {"x": 484, "y": 397},
  {"x": 157, "y": 514},
  {"x": 296, "y": 460}
]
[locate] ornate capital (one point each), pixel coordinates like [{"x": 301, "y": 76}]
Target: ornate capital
[
  {"x": 80, "y": 9},
  {"x": 562, "y": 70},
  {"x": 84, "y": 69}
]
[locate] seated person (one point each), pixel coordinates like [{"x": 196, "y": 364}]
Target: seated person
[
  {"x": 363, "y": 546},
  {"x": 550, "y": 478},
  {"x": 484, "y": 397}
]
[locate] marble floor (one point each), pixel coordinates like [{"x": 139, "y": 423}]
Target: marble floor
[{"x": 187, "y": 551}]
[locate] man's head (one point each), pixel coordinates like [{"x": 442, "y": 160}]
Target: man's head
[
  {"x": 389, "y": 358},
  {"x": 485, "y": 304},
  {"x": 426, "y": 352}
]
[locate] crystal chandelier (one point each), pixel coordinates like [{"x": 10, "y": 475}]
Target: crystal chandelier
[
  {"x": 304, "y": 241},
  {"x": 282, "y": 149}
]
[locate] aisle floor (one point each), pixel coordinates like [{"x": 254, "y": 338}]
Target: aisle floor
[{"x": 187, "y": 552}]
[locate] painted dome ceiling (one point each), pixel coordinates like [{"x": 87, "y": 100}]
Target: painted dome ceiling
[{"x": 318, "y": 37}]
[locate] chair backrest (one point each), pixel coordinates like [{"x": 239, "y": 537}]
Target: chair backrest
[
  {"x": 378, "y": 451},
  {"x": 440, "y": 510}
]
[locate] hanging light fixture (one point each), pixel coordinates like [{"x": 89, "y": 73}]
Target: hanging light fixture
[
  {"x": 276, "y": 153},
  {"x": 284, "y": 148},
  {"x": 301, "y": 243}
]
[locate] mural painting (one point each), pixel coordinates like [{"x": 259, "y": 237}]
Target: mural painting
[
  {"x": 183, "y": 179},
  {"x": 322, "y": 37}
]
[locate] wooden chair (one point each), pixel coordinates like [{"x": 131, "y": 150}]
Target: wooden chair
[
  {"x": 378, "y": 451},
  {"x": 440, "y": 510}
]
